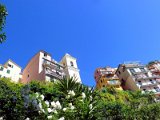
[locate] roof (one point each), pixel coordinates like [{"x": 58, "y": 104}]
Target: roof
[
  {"x": 44, "y": 52},
  {"x": 13, "y": 63},
  {"x": 68, "y": 55}
]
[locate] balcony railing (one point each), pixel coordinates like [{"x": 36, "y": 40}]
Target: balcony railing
[
  {"x": 147, "y": 84},
  {"x": 146, "y": 77},
  {"x": 53, "y": 66},
  {"x": 140, "y": 72},
  {"x": 113, "y": 82},
  {"x": 55, "y": 74},
  {"x": 155, "y": 70}
]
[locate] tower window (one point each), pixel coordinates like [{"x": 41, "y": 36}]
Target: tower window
[
  {"x": 28, "y": 75},
  {"x": 71, "y": 63},
  {"x": 45, "y": 54}
]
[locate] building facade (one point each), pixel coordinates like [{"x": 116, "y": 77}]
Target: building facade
[
  {"x": 43, "y": 68},
  {"x": 11, "y": 70},
  {"x": 135, "y": 76},
  {"x": 106, "y": 77}
]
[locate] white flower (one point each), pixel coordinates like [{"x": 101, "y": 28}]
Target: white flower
[
  {"x": 42, "y": 96},
  {"x": 62, "y": 118},
  {"x": 58, "y": 105},
  {"x": 53, "y": 104},
  {"x": 43, "y": 110},
  {"x": 49, "y": 110},
  {"x": 71, "y": 92},
  {"x": 91, "y": 98},
  {"x": 64, "y": 109},
  {"x": 83, "y": 95},
  {"x": 90, "y": 106},
  {"x": 1, "y": 118},
  {"x": 70, "y": 104},
  {"x": 72, "y": 107},
  {"x": 49, "y": 117},
  {"x": 55, "y": 111},
  {"x": 47, "y": 103},
  {"x": 27, "y": 118},
  {"x": 40, "y": 105},
  {"x": 68, "y": 96}
]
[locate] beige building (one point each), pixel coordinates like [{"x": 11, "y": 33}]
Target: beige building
[
  {"x": 43, "y": 67},
  {"x": 135, "y": 76},
  {"x": 11, "y": 70}
]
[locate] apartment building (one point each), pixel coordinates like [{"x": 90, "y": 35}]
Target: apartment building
[
  {"x": 135, "y": 76},
  {"x": 106, "y": 77},
  {"x": 11, "y": 70},
  {"x": 43, "y": 68}
]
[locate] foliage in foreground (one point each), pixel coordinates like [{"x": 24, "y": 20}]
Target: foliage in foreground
[
  {"x": 3, "y": 14},
  {"x": 68, "y": 100}
]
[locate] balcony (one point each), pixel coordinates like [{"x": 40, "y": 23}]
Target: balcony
[
  {"x": 141, "y": 72},
  {"x": 155, "y": 71},
  {"x": 107, "y": 73},
  {"x": 147, "y": 84},
  {"x": 53, "y": 65},
  {"x": 113, "y": 82},
  {"x": 55, "y": 74},
  {"x": 144, "y": 77}
]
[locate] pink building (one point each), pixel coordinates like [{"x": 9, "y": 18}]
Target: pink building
[{"x": 43, "y": 68}]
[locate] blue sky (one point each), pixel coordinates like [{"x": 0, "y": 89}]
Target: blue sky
[{"x": 97, "y": 32}]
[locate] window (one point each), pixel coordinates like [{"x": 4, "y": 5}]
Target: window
[
  {"x": 144, "y": 89},
  {"x": 151, "y": 81},
  {"x": 139, "y": 82},
  {"x": 9, "y": 65},
  {"x": 132, "y": 70},
  {"x": 58, "y": 66},
  {"x": 8, "y": 71},
  {"x": 71, "y": 63},
  {"x": 57, "y": 73},
  {"x": 142, "y": 69},
  {"x": 28, "y": 76},
  {"x": 45, "y": 54},
  {"x": 103, "y": 85},
  {"x": 157, "y": 89},
  {"x": 1, "y": 69},
  {"x": 119, "y": 72}
]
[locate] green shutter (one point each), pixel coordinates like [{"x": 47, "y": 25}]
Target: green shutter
[
  {"x": 1, "y": 68},
  {"x": 8, "y": 71}
]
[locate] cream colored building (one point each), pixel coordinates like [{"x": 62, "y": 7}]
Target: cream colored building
[
  {"x": 43, "y": 68},
  {"x": 11, "y": 70},
  {"x": 135, "y": 76},
  {"x": 70, "y": 67}
]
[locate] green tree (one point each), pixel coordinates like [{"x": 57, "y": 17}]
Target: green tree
[{"x": 3, "y": 14}]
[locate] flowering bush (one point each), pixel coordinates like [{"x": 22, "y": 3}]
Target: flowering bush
[{"x": 69, "y": 100}]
